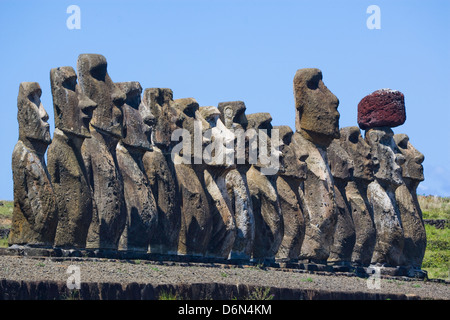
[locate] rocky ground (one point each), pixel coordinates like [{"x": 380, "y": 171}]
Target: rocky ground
[{"x": 125, "y": 272}]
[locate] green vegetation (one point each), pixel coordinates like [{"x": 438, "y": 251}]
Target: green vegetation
[
  {"x": 6, "y": 210},
  {"x": 261, "y": 294},
  {"x": 164, "y": 295},
  {"x": 434, "y": 207},
  {"x": 437, "y": 255},
  {"x": 3, "y": 242}
]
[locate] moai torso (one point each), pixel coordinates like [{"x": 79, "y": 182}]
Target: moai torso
[
  {"x": 292, "y": 173},
  {"x": 65, "y": 164},
  {"x": 341, "y": 166},
  {"x": 264, "y": 195},
  {"x": 356, "y": 194},
  {"x": 232, "y": 115},
  {"x": 317, "y": 124},
  {"x": 160, "y": 170},
  {"x": 217, "y": 151},
  {"x": 196, "y": 217},
  {"x": 381, "y": 194},
  {"x": 35, "y": 212},
  {"x": 142, "y": 214},
  {"x": 99, "y": 152},
  {"x": 408, "y": 204}
]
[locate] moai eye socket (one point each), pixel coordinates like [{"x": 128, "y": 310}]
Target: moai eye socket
[
  {"x": 99, "y": 72},
  {"x": 353, "y": 137},
  {"x": 70, "y": 83}
]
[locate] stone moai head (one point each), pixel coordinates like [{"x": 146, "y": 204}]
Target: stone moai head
[
  {"x": 317, "y": 117},
  {"x": 221, "y": 149},
  {"x": 268, "y": 142},
  {"x": 233, "y": 115},
  {"x": 135, "y": 129},
  {"x": 386, "y": 157},
  {"x": 164, "y": 123},
  {"x": 98, "y": 86},
  {"x": 31, "y": 115},
  {"x": 412, "y": 167},
  {"x": 359, "y": 151},
  {"x": 72, "y": 109},
  {"x": 340, "y": 162},
  {"x": 291, "y": 165}
]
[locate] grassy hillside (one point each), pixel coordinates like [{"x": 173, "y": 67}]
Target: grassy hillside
[
  {"x": 437, "y": 255},
  {"x": 6, "y": 209},
  {"x": 434, "y": 207}
]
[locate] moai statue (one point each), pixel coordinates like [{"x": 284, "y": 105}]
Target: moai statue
[
  {"x": 161, "y": 117},
  {"x": 73, "y": 112},
  {"x": 218, "y": 157},
  {"x": 381, "y": 194},
  {"x": 142, "y": 214},
  {"x": 196, "y": 218},
  {"x": 35, "y": 213},
  {"x": 317, "y": 124},
  {"x": 356, "y": 193},
  {"x": 408, "y": 204},
  {"x": 291, "y": 174},
  {"x": 377, "y": 113},
  {"x": 232, "y": 114},
  {"x": 341, "y": 166},
  {"x": 99, "y": 152},
  {"x": 266, "y": 205}
]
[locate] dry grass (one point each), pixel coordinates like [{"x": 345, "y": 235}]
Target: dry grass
[{"x": 434, "y": 207}]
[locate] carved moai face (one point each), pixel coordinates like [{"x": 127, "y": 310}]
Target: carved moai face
[
  {"x": 221, "y": 138},
  {"x": 412, "y": 167},
  {"x": 292, "y": 163},
  {"x": 72, "y": 109},
  {"x": 386, "y": 157},
  {"x": 267, "y": 154},
  {"x": 135, "y": 129},
  {"x": 98, "y": 86},
  {"x": 316, "y": 107},
  {"x": 159, "y": 103},
  {"x": 341, "y": 164},
  {"x": 233, "y": 115},
  {"x": 31, "y": 115},
  {"x": 359, "y": 151}
]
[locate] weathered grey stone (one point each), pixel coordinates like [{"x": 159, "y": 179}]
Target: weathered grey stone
[
  {"x": 98, "y": 86},
  {"x": 317, "y": 117},
  {"x": 291, "y": 174},
  {"x": 408, "y": 204},
  {"x": 266, "y": 206},
  {"x": 317, "y": 124},
  {"x": 381, "y": 194},
  {"x": 341, "y": 166},
  {"x": 159, "y": 101},
  {"x": 142, "y": 214},
  {"x": 73, "y": 112},
  {"x": 232, "y": 114},
  {"x": 214, "y": 173},
  {"x": 356, "y": 193},
  {"x": 35, "y": 212},
  {"x": 196, "y": 218},
  {"x": 160, "y": 169},
  {"x": 99, "y": 152}
]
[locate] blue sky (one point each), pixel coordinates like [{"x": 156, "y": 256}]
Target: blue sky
[{"x": 215, "y": 51}]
